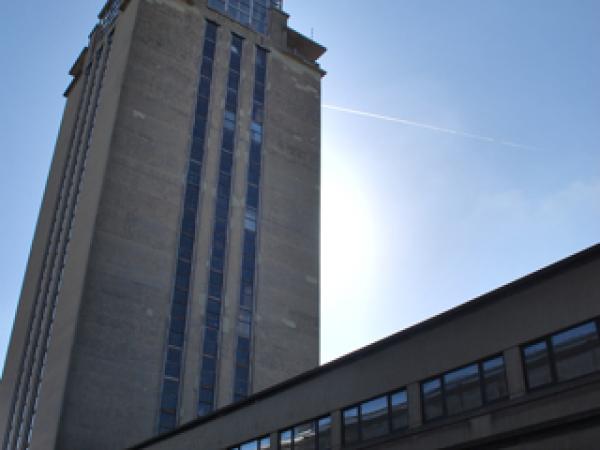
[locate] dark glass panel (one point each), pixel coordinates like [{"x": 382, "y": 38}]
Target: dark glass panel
[
  {"x": 215, "y": 283},
  {"x": 175, "y": 338},
  {"x": 206, "y": 68},
  {"x": 167, "y": 421},
  {"x": 255, "y": 152},
  {"x": 258, "y": 113},
  {"x": 207, "y": 396},
  {"x": 462, "y": 389},
  {"x": 226, "y": 162},
  {"x": 249, "y": 446},
  {"x": 351, "y": 431},
  {"x": 186, "y": 247},
  {"x": 191, "y": 196},
  {"x": 212, "y": 320},
  {"x": 252, "y": 197},
  {"x": 188, "y": 224},
  {"x": 209, "y": 49},
  {"x": 170, "y": 395},
  {"x": 305, "y": 436},
  {"x": 374, "y": 418},
  {"x": 213, "y": 306},
  {"x": 178, "y": 310},
  {"x": 228, "y": 142},
  {"x": 537, "y": 365},
  {"x": 233, "y": 81},
  {"x": 207, "y": 378},
  {"x": 433, "y": 402},
  {"x": 254, "y": 174},
  {"x": 399, "y": 406},
  {"x": 324, "y": 433},
  {"x": 180, "y": 297},
  {"x": 576, "y": 351},
  {"x": 203, "y": 94},
  {"x": 494, "y": 379},
  {"x": 264, "y": 444},
  {"x": 231, "y": 101},
  {"x": 285, "y": 440},
  {"x": 204, "y": 409},
  {"x": 211, "y": 28},
  {"x": 178, "y": 324}
]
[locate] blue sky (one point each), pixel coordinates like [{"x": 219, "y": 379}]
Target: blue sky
[{"x": 414, "y": 220}]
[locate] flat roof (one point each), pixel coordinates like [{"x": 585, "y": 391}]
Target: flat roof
[{"x": 550, "y": 271}]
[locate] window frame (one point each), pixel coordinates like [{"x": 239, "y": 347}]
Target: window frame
[
  {"x": 484, "y": 400},
  {"x": 547, "y": 339},
  {"x": 388, "y": 396}
]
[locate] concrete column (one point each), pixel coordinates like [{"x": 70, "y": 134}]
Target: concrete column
[
  {"x": 415, "y": 409},
  {"x": 336, "y": 430},
  {"x": 515, "y": 376},
  {"x": 274, "y": 436}
]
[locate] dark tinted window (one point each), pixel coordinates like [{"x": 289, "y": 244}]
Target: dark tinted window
[
  {"x": 576, "y": 352},
  {"x": 285, "y": 439},
  {"x": 494, "y": 379},
  {"x": 374, "y": 418},
  {"x": 433, "y": 401},
  {"x": 399, "y": 409},
  {"x": 537, "y": 364},
  {"x": 462, "y": 389},
  {"x": 324, "y": 436},
  {"x": 304, "y": 436},
  {"x": 351, "y": 430}
]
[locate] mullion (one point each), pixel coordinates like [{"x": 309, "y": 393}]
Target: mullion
[{"x": 551, "y": 359}]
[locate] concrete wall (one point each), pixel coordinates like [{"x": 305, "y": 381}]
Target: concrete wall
[{"x": 496, "y": 323}]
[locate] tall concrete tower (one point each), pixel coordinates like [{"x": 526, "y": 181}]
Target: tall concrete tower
[{"x": 175, "y": 263}]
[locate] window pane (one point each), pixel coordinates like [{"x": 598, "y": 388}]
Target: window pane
[
  {"x": 374, "y": 418},
  {"x": 494, "y": 379},
  {"x": 324, "y": 433},
  {"x": 576, "y": 352},
  {"x": 462, "y": 389},
  {"x": 537, "y": 365},
  {"x": 351, "y": 425},
  {"x": 433, "y": 406},
  {"x": 285, "y": 440},
  {"x": 399, "y": 402},
  {"x": 304, "y": 436},
  {"x": 249, "y": 446},
  {"x": 265, "y": 444}
]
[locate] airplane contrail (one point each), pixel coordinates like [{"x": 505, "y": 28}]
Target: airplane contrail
[{"x": 426, "y": 126}]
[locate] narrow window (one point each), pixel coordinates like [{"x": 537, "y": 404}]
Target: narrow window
[
  {"x": 324, "y": 438},
  {"x": 374, "y": 418},
  {"x": 537, "y": 364},
  {"x": 351, "y": 425},
  {"x": 399, "y": 409},
  {"x": 494, "y": 379},
  {"x": 462, "y": 389},
  {"x": 433, "y": 401}
]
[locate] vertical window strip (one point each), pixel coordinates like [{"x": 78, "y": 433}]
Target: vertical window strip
[
  {"x": 248, "y": 286},
  {"x": 76, "y": 186},
  {"x": 212, "y": 325},
  {"x": 34, "y": 322},
  {"x": 173, "y": 360},
  {"x": 45, "y": 305}
]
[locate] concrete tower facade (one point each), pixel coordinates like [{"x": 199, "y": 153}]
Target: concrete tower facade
[{"x": 175, "y": 264}]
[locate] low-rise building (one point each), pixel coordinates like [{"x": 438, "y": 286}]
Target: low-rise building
[{"x": 517, "y": 368}]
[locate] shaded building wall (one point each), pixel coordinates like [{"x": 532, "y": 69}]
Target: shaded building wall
[{"x": 102, "y": 387}]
